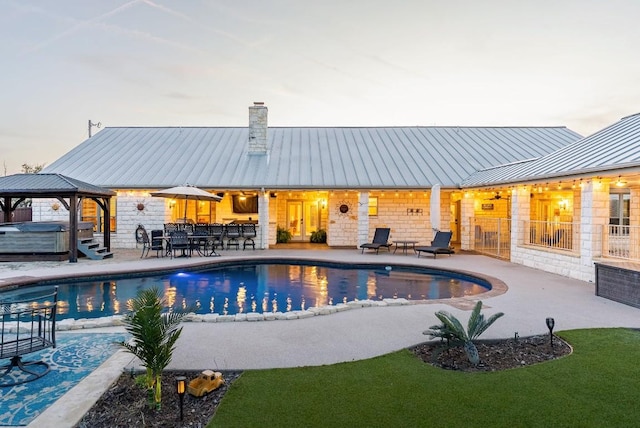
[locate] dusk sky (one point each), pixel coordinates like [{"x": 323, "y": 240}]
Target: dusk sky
[{"x": 573, "y": 63}]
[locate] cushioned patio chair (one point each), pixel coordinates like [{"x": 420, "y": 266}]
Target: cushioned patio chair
[
  {"x": 380, "y": 240},
  {"x": 440, "y": 245}
]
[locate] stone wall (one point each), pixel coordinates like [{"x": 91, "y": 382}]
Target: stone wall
[{"x": 342, "y": 230}]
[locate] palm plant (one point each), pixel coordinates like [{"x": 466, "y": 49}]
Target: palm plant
[
  {"x": 154, "y": 335},
  {"x": 455, "y": 334}
]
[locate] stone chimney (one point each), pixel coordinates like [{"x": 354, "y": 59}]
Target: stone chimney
[{"x": 258, "y": 128}]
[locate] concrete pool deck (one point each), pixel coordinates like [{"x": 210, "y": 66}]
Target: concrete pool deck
[{"x": 350, "y": 335}]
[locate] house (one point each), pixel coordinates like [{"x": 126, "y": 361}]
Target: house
[{"x": 527, "y": 194}]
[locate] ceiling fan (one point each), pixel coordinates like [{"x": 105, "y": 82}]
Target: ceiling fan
[{"x": 495, "y": 197}]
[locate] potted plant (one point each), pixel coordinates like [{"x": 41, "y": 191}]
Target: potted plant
[
  {"x": 282, "y": 235},
  {"x": 319, "y": 236}
]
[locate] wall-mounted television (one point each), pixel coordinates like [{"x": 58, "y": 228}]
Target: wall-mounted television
[{"x": 244, "y": 204}]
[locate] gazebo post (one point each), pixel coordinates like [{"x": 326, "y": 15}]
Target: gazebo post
[
  {"x": 73, "y": 225},
  {"x": 106, "y": 227},
  {"x": 6, "y": 209}
]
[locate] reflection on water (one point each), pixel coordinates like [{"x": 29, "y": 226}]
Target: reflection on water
[{"x": 256, "y": 288}]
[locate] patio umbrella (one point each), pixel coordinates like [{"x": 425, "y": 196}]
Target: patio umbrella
[{"x": 187, "y": 192}]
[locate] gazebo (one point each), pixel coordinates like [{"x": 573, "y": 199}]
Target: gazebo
[{"x": 14, "y": 189}]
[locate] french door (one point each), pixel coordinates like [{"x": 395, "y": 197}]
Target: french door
[{"x": 303, "y": 218}]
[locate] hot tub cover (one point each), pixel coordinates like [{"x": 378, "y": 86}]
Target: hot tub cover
[{"x": 51, "y": 226}]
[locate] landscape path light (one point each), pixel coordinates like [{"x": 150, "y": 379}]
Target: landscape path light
[
  {"x": 181, "y": 385},
  {"x": 550, "y": 324}
]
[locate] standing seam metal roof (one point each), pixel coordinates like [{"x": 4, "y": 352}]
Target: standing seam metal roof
[
  {"x": 302, "y": 157},
  {"x": 614, "y": 147}
]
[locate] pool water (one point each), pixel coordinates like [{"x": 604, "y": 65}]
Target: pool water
[{"x": 262, "y": 287}]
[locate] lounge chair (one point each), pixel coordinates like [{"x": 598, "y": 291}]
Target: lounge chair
[
  {"x": 439, "y": 245},
  {"x": 380, "y": 239}
]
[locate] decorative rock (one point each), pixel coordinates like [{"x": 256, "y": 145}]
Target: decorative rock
[
  {"x": 64, "y": 325},
  {"x": 88, "y": 324},
  {"x": 254, "y": 316},
  {"x": 306, "y": 314},
  {"x": 104, "y": 322},
  {"x": 117, "y": 320},
  {"x": 210, "y": 318},
  {"x": 396, "y": 302}
]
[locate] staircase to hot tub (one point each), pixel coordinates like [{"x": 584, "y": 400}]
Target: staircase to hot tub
[{"x": 93, "y": 249}]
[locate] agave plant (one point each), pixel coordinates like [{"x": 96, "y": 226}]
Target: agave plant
[
  {"x": 154, "y": 335},
  {"x": 455, "y": 334}
]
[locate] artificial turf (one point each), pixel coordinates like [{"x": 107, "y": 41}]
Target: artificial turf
[{"x": 598, "y": 385}]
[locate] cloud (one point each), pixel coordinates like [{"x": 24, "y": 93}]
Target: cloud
[{"x": 79, "y": 25}]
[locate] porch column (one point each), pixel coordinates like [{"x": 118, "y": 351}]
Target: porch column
[
  {"x": 520, "y": 215},
  {"x": 594, "y": 217},
  {"x": 263, "y": 218},
  {"x": 467, "y": 222},
  {"x": 363, "y": 218}
]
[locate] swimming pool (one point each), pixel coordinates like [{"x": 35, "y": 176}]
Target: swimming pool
[{"x": 260, "y": 286}]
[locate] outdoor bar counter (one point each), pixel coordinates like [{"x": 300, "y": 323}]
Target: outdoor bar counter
[{"x": 619, "y": 281}]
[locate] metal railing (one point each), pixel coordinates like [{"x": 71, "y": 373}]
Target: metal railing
[
  {"x": 492, "y": 236},
  {"x": 552, "y": 235},
  {"x": 621, "y": 242}
]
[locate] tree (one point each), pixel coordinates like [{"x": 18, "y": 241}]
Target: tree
[
  {"x": 452, "y": 330},
  {"x": 154, "y": 336},
  {"x": 32, "y": 169}
]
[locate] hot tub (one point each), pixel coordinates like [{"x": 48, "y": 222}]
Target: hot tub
[{"x": 33, "y": 239}]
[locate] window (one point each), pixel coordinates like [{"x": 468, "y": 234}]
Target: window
[
  {"x": 90, "y": 211},
  {"x": 619, "y": 209},
  {"x": 373, "y": 206}
]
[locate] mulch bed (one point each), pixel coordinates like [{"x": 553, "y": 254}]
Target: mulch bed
[
  {"x": 495, "y": 354},
  {"x": 125, "y": 403}
]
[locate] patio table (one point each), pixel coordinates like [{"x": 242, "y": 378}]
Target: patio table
[
  {"x": 404, "y": 246},
  {"x": 208, "y": 250}
]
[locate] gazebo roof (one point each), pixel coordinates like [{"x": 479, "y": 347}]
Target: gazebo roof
[{"x": 48, "y": 185}]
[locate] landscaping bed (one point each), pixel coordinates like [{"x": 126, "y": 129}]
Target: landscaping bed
[
  {"x": 495, "y": 354},
  {"x": 124, "y": 404}
]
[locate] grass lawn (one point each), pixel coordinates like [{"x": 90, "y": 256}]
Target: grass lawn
[{"x": 597, "y": 386}]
